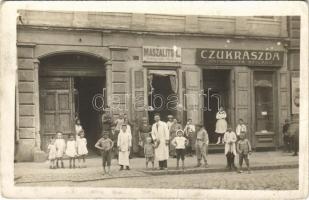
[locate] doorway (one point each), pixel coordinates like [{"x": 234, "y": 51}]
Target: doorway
[
  {"x": 216, "y": 85},
  {"x": 85, "y": 89},
  {"x": 68, "y": 83},
  {"x": 163, "y": 94}
]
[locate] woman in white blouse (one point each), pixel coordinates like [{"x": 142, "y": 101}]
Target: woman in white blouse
[{"x": 221, "y": 125}]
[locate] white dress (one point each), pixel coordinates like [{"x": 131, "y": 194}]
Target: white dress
[
  {"x": 241, "y": 128},
  {"x": 124, "y": 144},
  {"x": 52, "y": 151},
  {"x": 78, "y": 129},
  {"x": 82, "y": 146},
  {"x": 221, "y": 125},
  {"x": 60, "y": 147},
  {"x": 71, "y": 148}
]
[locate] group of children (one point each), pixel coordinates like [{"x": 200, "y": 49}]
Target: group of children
[
  {"x": 235, "y": 143},
  {"x": 72, "y": 148}
]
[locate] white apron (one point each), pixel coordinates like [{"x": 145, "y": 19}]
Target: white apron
[
  {"x": 230, "y": 137},
  {"x": 124, "y": 144},
  {"x": 161, "y": 134}
]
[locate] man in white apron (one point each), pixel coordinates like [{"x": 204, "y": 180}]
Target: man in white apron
[
  {"x": 124, "y": 144},
  {"x": 160, "y": 135}
]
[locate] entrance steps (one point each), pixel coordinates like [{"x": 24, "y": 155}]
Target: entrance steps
[{"x": 215, "y": 148}]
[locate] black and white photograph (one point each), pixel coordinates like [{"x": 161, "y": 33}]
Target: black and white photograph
[{"x": 120, "y": 101}]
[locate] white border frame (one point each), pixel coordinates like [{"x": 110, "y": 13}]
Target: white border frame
[{"x": 242, "y": 8}]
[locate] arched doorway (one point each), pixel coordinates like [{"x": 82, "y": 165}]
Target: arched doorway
[{"x": 68, "y": 83}]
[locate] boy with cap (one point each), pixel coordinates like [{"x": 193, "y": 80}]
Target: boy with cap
[
  {"x": 189, "y": 134},
  {"x": 244, "y": 150},
  {"x": 202, "y": 141},
  {"x": 105, "y": 144}
]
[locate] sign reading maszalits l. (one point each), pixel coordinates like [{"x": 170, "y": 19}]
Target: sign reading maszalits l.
[
  {"x": 239, "y": 57},
  {"x": 161, "y": 54}
]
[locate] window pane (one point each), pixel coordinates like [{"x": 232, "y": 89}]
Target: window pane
[{"x": 263, "y": 84}]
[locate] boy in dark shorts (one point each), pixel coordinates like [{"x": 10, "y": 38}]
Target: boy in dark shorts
[
  {"x": 180, "y": 143},
  {"x": 244, "y": 150},
  {"x": 149, "y": 152},
  {"x": 105, "y": 144}
]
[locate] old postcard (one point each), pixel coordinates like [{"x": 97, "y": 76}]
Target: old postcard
[{"x": 154, "y": 100}]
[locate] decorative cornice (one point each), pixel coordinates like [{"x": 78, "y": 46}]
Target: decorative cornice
[
  {"x": 156, "y": 33},
  {"x": 29, "y": 45},
  {"x": 161, "y": 64},
  {"x": 118, "y": 48}
]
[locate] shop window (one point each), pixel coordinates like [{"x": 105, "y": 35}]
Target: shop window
[{"x": 264, "y": 101}]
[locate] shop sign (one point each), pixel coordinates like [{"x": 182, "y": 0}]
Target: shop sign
[
  {"x": 161, "y": 54},
  {"x": 239, "y": 57}
]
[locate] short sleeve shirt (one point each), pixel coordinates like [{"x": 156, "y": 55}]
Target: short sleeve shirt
[
  {"x": 106, "y": 144},
  {"x": 180, "y": 142}
]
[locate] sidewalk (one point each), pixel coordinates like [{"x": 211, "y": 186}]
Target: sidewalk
[{"x": 29, "y": 172}]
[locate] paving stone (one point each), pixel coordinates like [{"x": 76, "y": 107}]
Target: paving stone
[{"x": 40, "y": 172}]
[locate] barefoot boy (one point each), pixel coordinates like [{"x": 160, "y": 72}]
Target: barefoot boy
[{"x": 105, "y": 145}]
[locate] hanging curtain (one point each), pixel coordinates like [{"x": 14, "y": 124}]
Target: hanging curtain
[
  {"x": 150, "y": 87},
  {"x": 172, "y": 76},
  {"x": 174, "y": 83}
]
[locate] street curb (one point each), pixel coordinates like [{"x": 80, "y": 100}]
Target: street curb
[
  {"x": 145, "y": 173},
  {"x": 214, "y": 170}
]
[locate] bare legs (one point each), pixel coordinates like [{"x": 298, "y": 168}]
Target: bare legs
[
  {"x": 82, "y": 161},
  {"x": 72, "y": 161},
  {"x": 61, "y": 161}
]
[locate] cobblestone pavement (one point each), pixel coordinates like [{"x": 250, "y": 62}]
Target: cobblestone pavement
[
  {"x": 282, "y": 179},
  {"x": 31, "y": 172}
]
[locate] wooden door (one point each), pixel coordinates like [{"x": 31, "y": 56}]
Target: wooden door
[
  {"x": 138, "y": 94},
  {"x": 284, "y": 102},
  {"x": 56, "y": 108},
  {"x": 242, "y": 98},
  {"x": 138, "y": 103},
  {"x": 192, "y": 96}
]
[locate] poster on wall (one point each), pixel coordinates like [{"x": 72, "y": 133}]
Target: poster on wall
[{"x": 295, "y": 95}]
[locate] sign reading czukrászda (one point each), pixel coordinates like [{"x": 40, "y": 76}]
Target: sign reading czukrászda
[{"x": 239, "y": 57}]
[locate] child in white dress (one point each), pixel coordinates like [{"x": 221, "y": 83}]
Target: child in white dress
[
  {"x": 52, "y": 153},
  {"x": 71, "y": 150},
  {"x": 78, "y": 128},
  {"x": 82, "y": 150},
  {"x": 221, "y": 125},
  {"x": 60, "y": 149}
]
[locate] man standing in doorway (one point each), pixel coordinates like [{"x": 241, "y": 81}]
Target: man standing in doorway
[
  {"x": 118, "y": 123},
  {"x": 160, "y": 135},
  {"x": 170, "y": 121}
]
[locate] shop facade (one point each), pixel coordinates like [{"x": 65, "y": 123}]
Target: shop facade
[{"x": 85, "y": 64}]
